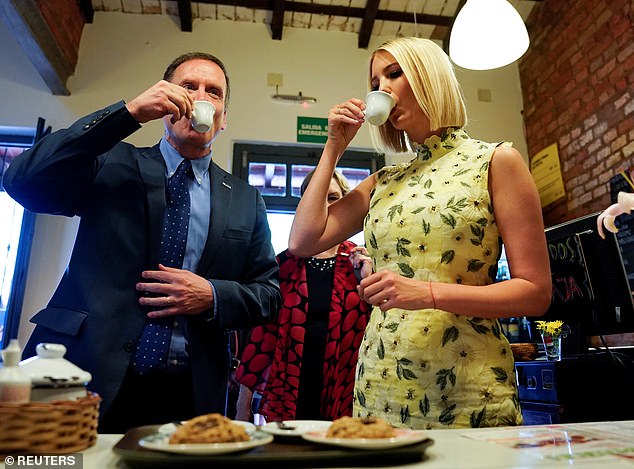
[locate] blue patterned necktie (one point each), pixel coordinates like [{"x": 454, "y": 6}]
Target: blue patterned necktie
[{"x": 154, "y": 343}]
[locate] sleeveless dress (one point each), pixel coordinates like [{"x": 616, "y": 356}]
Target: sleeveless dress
[{"x": 432, "y": 219}]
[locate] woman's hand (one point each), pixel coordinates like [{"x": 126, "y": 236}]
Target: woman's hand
[
  {"x": 389, "y": 290},
  {"x": 361, "y": 261},
  {"x": 344, "y": 121}
]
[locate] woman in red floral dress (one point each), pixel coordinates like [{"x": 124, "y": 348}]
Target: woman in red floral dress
[{"x": 303, "y": 365}]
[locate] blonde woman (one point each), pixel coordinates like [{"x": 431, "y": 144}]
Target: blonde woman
[{"x": 433, "y": 355}]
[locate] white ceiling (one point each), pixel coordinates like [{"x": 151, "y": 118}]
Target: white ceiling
[{"x": 413, "y": 9}]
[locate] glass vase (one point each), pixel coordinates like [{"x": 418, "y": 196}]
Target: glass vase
[{"x": 552, "y": 346}]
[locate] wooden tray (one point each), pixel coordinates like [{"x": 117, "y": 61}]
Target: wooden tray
[{"x": 278, "y": 454}]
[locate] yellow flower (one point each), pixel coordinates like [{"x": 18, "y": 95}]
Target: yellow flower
[{"x": 554, "y": 328}]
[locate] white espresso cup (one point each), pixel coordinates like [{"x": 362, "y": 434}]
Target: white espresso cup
[
  {"x": 378, "y": 105},
  {"x": 203, "y": 116}
]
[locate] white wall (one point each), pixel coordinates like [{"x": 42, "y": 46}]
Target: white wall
[
  {"x": 121, "y": 55},
  {"x": 501, "y": 118}
]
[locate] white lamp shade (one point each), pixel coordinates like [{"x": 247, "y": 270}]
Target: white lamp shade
[{"x": 487, "y": 34}]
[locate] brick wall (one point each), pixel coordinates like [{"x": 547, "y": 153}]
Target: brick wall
[{"x": 578, "y": 86}]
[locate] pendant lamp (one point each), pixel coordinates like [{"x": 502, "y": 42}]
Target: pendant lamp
[{"x": 487, "y": 34}]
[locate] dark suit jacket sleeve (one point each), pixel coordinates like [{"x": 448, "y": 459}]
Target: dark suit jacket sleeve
[
  {"x": 255, "y": 298},
  {"x": 53, "y": 176}
]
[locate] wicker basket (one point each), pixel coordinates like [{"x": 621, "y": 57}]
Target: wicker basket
[
  {"x": 524, "y": 352},
  {"x": 56, "y": 427}
]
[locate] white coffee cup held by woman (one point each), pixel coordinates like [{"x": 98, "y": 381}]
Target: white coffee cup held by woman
[{"x": 379, "y": 104}]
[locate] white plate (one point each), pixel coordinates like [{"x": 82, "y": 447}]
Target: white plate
[
  {"x": 403, "y": 437},
  {"x": 169, "y": 428},
  {"x": 160, "y": 442},
  {"x": 299, "y": 427}
]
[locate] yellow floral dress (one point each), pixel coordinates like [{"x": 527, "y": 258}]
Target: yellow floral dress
[{"x": 432, "y": 219}]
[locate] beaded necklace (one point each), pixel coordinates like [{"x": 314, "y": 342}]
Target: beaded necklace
[{"x": 321, "y": 264}]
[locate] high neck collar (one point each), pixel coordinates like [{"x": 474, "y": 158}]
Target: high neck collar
[{"x": 437, "y": 146}]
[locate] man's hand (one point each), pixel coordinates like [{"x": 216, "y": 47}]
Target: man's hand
[
  {"x": 175, "y": 291},
  {"x": 162, "y": 99}
]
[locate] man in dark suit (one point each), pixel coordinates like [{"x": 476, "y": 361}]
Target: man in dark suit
[{"x": 115, "y": 283}]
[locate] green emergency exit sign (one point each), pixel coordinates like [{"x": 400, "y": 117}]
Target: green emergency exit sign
[{"x": 312, "y": 129}]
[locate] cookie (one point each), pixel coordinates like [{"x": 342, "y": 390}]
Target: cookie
[
  {"x": 356, "y": 427},
  {"x": 209, "y": 428}
]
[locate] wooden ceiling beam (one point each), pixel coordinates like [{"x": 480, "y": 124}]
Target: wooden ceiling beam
[
  {"x": 185, "y": 14},
  {"x": 27, "y": 24},
  {"x": 407, "y": 17},
  {"x": 369, "y": 17},
  {"x": 335, "y": 10},
  {"x": 277, "y": 22},
  {"x": 87, "y": 10}
]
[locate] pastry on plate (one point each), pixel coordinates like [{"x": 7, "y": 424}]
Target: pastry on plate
[
  {"x": 209, "y": 428},
  {"x": 357, "y": 427}
]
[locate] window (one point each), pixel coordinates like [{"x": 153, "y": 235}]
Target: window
[
  {"x": 277, "y": 171},
  {"x": 11, "y": 221},
  {"x": 16, "y": 234}
]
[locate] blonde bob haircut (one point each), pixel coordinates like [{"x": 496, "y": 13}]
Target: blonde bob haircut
[{"x": 434, "y": 84}]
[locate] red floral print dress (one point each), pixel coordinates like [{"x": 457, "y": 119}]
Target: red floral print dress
[{"x": 271, "y": 361}]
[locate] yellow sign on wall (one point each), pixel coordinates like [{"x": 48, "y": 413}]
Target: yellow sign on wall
[{"x": 546, "y": 173}]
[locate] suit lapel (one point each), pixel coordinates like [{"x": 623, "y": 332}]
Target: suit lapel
[
  {"x": 152, "y": 170},
  {"x": 220, "y": 209}
]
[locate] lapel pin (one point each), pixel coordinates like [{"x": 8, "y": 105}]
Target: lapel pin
[{"x": 226, "y": 185}]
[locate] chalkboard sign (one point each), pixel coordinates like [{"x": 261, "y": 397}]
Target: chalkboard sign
[
  {"x": 591, "y": 291},
  {"x": 571, "y": 281},
  {"x": 625, "y": 224},
  {"x": 590, "y": 285}
]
